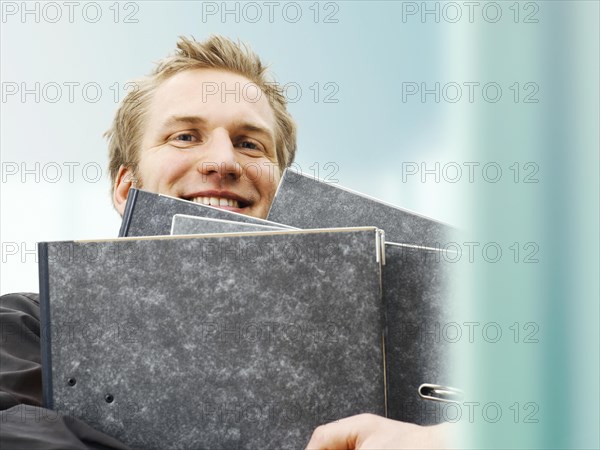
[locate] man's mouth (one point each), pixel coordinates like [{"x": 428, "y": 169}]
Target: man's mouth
[
  {"x": 216, "y": 201},
  {"x": 219, "y": 201}
]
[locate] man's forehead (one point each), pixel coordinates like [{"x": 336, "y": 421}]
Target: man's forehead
[
  {"x": 211, "y": 87},
  {"x": 209, "y": 98}
]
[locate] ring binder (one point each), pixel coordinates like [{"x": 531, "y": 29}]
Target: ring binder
[{"x": 440, "y": 393}]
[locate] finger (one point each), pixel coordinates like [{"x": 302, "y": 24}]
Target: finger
[{"x": 340, "y": 435}]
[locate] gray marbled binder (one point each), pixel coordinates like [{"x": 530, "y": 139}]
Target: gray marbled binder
[
  {"x": 183, "y": 224},
  {"x": 304, "y": 202},
  {"x": 149, "y": 214},
  {"x": 232, "y": 341},
  {"x": 420, "y": 339}
]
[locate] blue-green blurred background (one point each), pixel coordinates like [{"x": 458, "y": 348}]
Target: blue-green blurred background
[{"x": 356, "y": 74}]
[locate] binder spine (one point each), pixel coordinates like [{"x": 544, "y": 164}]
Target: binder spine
[
  {"x": 127, "y": 214},
  {"x": 384, "y": 321},
  {"x": 45, "y": 331}
]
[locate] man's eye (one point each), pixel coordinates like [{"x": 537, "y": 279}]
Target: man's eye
[
  {"x": 249, "y": 145},
  {"x": 185, "y": 137}
]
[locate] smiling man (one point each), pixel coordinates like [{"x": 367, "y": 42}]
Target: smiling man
[
  {"x": 201, "y": 148},
  {"x": 207, "y": 126}
]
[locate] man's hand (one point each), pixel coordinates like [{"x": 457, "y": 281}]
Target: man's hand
[{"x": 368, "y": 431}]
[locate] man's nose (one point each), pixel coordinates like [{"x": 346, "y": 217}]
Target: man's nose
[{"x": 219, "y": 158}]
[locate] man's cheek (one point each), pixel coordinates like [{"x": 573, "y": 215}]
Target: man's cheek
[
  {"x": 261, "y": 209},
  {"x": 161, "y": 174},
  {"x": 272, "y": 173}
]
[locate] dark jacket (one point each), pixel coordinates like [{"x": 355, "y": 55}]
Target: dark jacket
[{"x": 24, "y": 424}]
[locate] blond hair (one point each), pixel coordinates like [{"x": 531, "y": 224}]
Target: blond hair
[{"x": 217, "y": 52}]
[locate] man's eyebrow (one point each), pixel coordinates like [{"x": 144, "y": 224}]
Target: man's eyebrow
[
  {"x": 248, "y": 127},
  {"x": 176, "y": 120},
  {"x": 193, "y": 120},
  {"x": 253, "y": 128}
]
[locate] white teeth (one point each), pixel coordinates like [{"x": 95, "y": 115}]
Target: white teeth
[{"x": 216, "y": 201}]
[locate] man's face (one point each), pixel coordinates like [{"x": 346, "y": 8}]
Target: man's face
[{"x": 209, "y": 140}]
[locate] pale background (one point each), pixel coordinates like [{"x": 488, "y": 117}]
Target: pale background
[{"x": 372, "y": 49}]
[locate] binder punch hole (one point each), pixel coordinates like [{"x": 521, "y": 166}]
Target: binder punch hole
[{"x": 440, "y": 393}]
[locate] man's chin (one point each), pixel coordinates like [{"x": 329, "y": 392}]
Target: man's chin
[{"x": 253, "y": 212}]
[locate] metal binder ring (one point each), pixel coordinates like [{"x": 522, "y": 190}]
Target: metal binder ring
[{"x": 440, "y": 393}]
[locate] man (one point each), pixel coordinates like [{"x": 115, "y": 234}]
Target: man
[{"x": 206, "y": 126}]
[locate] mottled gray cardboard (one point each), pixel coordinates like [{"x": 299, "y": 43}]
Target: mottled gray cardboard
[
  {"x": 305, "y": 202},
  {"x": 149, "y": 214},
  {"x": 214, "y": 342},
  {"x": 418, "y": 290},
  {"x": 183, "y": 224}
]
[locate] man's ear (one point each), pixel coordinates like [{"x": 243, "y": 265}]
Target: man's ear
[{"x": 125, "y": 180}]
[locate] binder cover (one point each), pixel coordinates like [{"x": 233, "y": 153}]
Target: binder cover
[
  {"x": 231, "y": 341},
  {"x": 149, "y": 214},
  {"x": 183, "y": 224},
  {"x": 421, "y": 331},
  {"x": 305, "y": 202}
]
